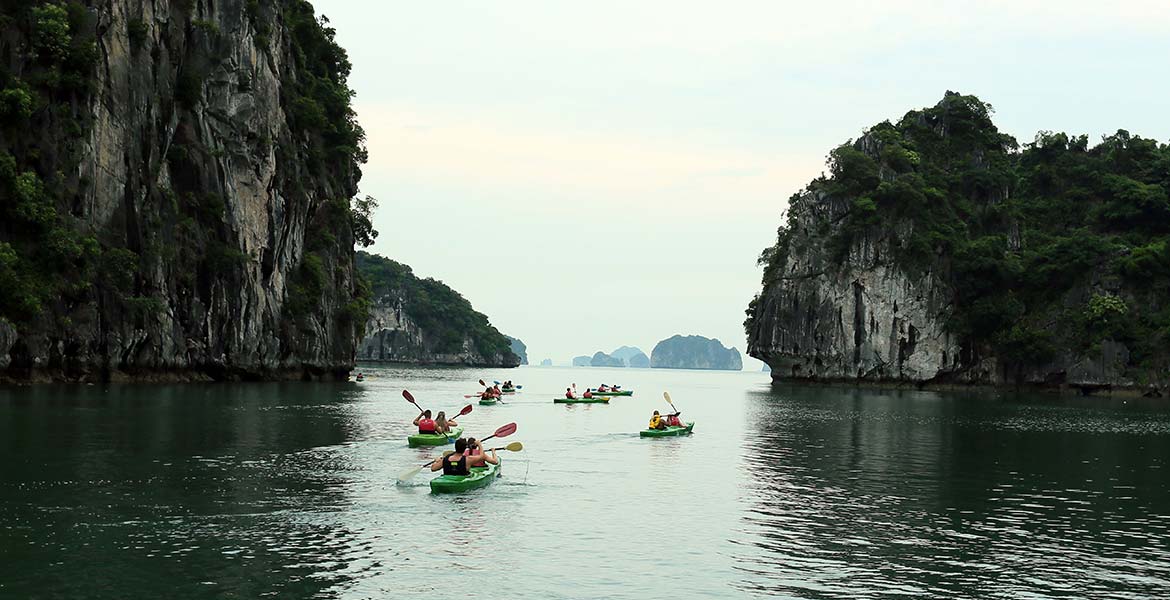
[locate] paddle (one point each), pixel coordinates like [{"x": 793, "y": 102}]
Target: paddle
[
  {"x": 504, "y": 431},
  {"x": 406, "y": 476},
  {"x": 410, "y": 399},
  {"x": 667, "y": 396}
]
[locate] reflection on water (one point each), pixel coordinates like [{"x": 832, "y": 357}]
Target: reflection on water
[
  {"x": 257, "y": 490},
  {"x": 874, "y": 494},
  {"x": 171, "y": 477}
]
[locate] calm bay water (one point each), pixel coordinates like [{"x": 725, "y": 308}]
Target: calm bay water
[{"x": 243, "y": 491}]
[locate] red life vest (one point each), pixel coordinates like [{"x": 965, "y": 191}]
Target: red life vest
[
  {"x": 674, "y": 421},
  {"x": 426, "y": 426}
]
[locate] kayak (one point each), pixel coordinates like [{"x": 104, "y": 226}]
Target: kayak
[
  {"x": 580, "y": 400},
  {"x": 508, "y": 390},
  {"x": 480, "y": 477},
  {"x": 669, "y": 431},
  {"x": 487, "y": 401},
  {"x": 433, "y": 439},
  {"x": 613, "y": 393}
]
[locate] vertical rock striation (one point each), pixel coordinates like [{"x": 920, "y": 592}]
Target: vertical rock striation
[{"x": 198, "y": 159}]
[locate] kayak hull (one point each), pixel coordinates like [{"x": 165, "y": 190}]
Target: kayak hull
[
  {"x": 669, "y": 431},
  {"x": 621, "y": 393},
  {"x": 453, "y": 484},
  {"x": 580, "y": 400},
  {"x": 431, "y": 439},
  {"x": 486, "y": 402}
]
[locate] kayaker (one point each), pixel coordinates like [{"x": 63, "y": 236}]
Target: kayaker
[
  {"x": 479, "y": 459},
  {"x": 442, "y": 425},
  {"x": 587, "y": 394},
  {"x": 603, "y": 388},
  {"x": 455, "y": 463},
  {"x": 472, "y": 447},
  {"x": 672, "y": 420},
  {"x": 424, "y": 422},
  {"x": 657, "y": 422},
  {"x": 569, "y": 393}
]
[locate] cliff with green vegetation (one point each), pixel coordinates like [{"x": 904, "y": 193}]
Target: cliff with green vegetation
[
  {"x": 940, "y": 251},
  {"x": 176, "y": 180},
  {"x": 422, "y": 321}
]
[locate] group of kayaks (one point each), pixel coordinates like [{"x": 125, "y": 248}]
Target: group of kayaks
[{"x": 482, "y": 476}]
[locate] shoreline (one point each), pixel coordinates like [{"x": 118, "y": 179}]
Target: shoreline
[{"x": 1085, "y": 390}]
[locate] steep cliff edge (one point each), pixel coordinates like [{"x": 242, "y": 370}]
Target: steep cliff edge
[
  {"x": 423, "y": 321},
  {"x": 939, "y": 252},
  {"x": 175, "y": 178}
]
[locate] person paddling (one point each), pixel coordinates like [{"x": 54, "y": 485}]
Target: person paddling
[
  {"x": 424, "y": 422},
  {"x": 587, "y": 394},
  {"x": 443, "y": 425},
  {"x": 672, "y": 420},
  {"x": 657, "y": 422},
  {"x": 569, "y": 393},
  {"x": 477, "y": 458},
  {"x": 455, "y": 463}
]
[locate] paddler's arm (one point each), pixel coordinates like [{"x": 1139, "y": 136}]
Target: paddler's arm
[
  {"x": 491, "y": 458},
  {"x": 438, "y": 464}
]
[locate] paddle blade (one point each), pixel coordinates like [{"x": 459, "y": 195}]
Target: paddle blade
[
  {"x": 482, "y": 383},
  {"x": 406, "y": 476},
  {"x": 496, "y": 382},
  {"x": 466, "y": 410},
  {"x": 667, "y": 396},
  {"x": 514, "y": 447},
  {"x": 505, "y": 431},
  {"x": 409, "y": 398}
]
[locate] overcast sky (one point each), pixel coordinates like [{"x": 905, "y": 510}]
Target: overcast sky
[{"x": 602, "y": 173}]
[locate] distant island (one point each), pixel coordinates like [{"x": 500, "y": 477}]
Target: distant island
[
  {"x": 423, "y": 321},
  {"x": 519, "y": 349},
  {"x": 601, "y": 359},
  {"x": 694, "y": 352},
  {"x": 546, "y": 362},
  {"x": 582, "y": 361},
  {"x": 625, "y": 356}
]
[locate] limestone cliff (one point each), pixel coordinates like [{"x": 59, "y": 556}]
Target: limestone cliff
[
  {"x": 175, "y": 177},
  {"x": 694, "y": 352},
  {"x": 938, "y": 252},
  {"x": 423, "y": 321}
]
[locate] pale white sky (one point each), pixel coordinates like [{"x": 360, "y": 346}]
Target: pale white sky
[{"x": 604, "y": 173}]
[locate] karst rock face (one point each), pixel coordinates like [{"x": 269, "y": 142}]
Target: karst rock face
[
  {"x": 937, "y": 252},
  {"x": 200, "y": 162},
  {"x": 694, "y": 352}
]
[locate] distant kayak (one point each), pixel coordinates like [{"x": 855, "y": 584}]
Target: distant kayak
[
  {"x": 613, "y": 393},
  {"x": 669, "y": 431},
  {"x": 581, "y": 400},
  {"x": 433, "y": 439},
  {"x": 487, "y": 401},
  {"x": 451, "y": 484}
]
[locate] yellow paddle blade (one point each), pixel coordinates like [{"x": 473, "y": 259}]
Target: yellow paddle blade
[
  {"x": 667, "y": 396},
  {"x": 514, "y": 447}
]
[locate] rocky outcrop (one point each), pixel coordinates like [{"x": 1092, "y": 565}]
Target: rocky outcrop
[
  {"x": 625, "y": 353},
  {"x": 638, "y": 361},
  {"x": 582, "y": 361},
  {"x": 694, "y": 352},
  {"x": 519, "y": 349},
  {"x": 181, "y": 182},
  {"x": 546, "y": 362},
  {"x": 424, "y": 321},
  {"x": 601, "y": 359},
  {"x": 392, "y": 336},
  {"x": 914, "y": 264}
]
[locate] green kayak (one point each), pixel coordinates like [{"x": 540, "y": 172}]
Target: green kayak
[
  {"x": 487, "y": 401},
  {"x": 580, "y": 400},
  {"x": 669, "y": 431},
  {"x": 613, "y": 393},
  {"x": 451, "y": 484},
  {"x": 508, "y": 390},
  {"x": 433, "y": 439}
]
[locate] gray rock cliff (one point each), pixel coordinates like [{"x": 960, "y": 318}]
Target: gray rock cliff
[
  {"x": 694, "y": 352},
  {"x": 202, "y": 202}
]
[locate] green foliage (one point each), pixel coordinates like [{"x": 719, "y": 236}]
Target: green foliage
[
  {"x": 189, "y": 86},
  {"x": 361, "y": 220},
  {"x": 16, "y": 104},
  {"x": 446, "y": 316},
  {"x": 50, "y": 34},
  {"x": 1022, "y": 233}
]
